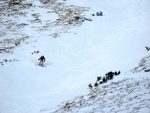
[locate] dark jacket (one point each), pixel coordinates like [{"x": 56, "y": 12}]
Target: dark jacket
[{"x": 42, "y": 58}]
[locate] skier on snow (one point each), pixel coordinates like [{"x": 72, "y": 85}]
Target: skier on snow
[{"x": 42, "y": 60}]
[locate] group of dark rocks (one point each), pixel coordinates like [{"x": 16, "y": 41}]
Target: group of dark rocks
[
  {"x": 108, "y": 76},
  {"x": 82, "y": 19},
  {"x": 100, "y": 13},
  {"x": 6, "y": 60},
  {"x": 35, "y": 52}
]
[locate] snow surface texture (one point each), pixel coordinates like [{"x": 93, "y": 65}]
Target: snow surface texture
[
  {"x": 78, "y": 47},
  {"x": 126, "y": 96}
]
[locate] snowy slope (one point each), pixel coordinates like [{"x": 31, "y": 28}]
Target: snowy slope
[
  {"x": 76, "y": 52},
  {"x": 124, "y": 96}
]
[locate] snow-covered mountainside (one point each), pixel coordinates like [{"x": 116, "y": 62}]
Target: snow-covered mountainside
[
  {"x": 124, "y": 96},
  {"x": 81, "y": 40}
]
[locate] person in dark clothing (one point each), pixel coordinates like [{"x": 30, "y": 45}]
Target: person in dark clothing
[{"x": 42, "y": 60}]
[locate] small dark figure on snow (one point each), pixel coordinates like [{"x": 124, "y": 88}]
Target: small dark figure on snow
[
  {"x": 147, "y": 48},
  {"x": 90, "y": 86},
  {"x": 97, "y": 14},
  {"x": 110, "y": 73},
  {"x": 42, "y": 60},
  {"x": 99, "y": 78},
  {"x": 100, "y": 13},
  {"x": 96, "y": 84},
  {"x": 115, "y": 73},
  {"x": 118, "y": 72},
  {"x": 101, "y": 82},
  {"x": 104, "y": 80}
]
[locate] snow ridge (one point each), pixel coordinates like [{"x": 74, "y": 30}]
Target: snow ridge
[
  {"x": 128, "y": 95},
  {"x": 143, "y": 65}
]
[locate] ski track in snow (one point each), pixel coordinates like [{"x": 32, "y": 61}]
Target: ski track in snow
[{"x": 76, "y": 53}]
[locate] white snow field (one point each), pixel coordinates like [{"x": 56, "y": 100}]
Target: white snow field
[{"x": 76, "y": 51}]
